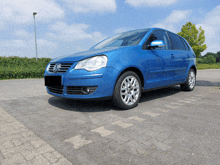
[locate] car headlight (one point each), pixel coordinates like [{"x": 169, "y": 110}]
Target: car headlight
[{"x": 93, "y": 63}]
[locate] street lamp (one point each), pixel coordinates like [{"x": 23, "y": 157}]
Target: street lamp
[{"x": 34, "y": 13}]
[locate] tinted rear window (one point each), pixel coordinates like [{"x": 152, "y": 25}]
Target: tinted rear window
[
  {"x": 186, "y": 45},
  {"x": 176, "y": 42}
]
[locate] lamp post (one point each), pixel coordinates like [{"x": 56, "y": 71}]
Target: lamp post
[{"x": 34, "y": 13}]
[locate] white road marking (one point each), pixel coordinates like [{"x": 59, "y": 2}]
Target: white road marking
[
  {"x": 136, "y": 118},
  {"x": 8, "y": 98},
  {"x": 104, "y": 132},
  {"x": 199, "y": 95},
  {"x": 190, "y": 99},
  {"x": 19, "y": 97},
  {"x": 170, "y": 106},
  {"x": 162, "y": 110},
  {"x": 151, "y": 114},
  {"x": 122, "y": 124},
  {"x": 176, "y": 103},
  {"x": 78, "y": 141},
  {"x": 184, "y": 101}
]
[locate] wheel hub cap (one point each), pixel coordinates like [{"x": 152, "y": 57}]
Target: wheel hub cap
[
  {"x": 129, "y": 90},
  {"x": 192, "y": 79}
]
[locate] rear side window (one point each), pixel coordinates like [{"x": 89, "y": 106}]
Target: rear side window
[
  {"x": 176, "y": 42},
  {"x": 186, "y": 45}
]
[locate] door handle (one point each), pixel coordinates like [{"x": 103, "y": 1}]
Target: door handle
[{"x": 172, "y": 56}]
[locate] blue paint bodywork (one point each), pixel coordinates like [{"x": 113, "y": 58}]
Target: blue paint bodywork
[{"x": 158, "y": 68}]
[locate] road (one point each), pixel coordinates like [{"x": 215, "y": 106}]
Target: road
[{"x": 169, "y": 126}]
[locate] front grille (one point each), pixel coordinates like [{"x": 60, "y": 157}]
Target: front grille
[
  {"x": 63, "y": 67},
  {"x": 55, "y": 89},
  {"x": 79, "y": 90}
]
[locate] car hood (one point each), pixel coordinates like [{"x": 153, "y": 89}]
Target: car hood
[{"x": 81, "y": 55}]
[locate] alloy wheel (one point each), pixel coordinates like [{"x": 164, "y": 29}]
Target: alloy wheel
[
  {"x": 130, "y": 90},
  {"x": 192, "y": 79}
]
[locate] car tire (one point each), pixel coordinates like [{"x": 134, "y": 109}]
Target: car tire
[
  {"x": 127, "y": 91},
  {"x": 190, "y": 83}
]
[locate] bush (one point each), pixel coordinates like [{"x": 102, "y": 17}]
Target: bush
[
  {"x": 208, "y": 66},
  {"x": 199, "y": 61},
  {"x": 206, "y": 60},
  {"x": 16, "y": 68},
  {"x": 209, "y": 60}
]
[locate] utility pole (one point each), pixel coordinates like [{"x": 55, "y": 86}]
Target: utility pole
[{"x": 34, "y": 13}]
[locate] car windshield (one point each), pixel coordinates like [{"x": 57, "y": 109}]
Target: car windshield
[{"x": 123, "y": 39}]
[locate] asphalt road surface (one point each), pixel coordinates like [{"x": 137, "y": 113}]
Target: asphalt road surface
[{"x": 169, "y": 126}]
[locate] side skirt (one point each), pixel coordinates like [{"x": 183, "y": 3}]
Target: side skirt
[{"x": 152, "y": 89}]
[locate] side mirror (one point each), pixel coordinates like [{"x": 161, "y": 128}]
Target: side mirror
[{"x": 157, "y": 43}]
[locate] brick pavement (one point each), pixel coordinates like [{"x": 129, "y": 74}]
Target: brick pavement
[
  {"x": 20, "y": 145},
  {"x": 168, "y": 127}
]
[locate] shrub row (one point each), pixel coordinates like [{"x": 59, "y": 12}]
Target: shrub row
[
  {"x": 208, "y": 66},
  {"x": 206, "y": 60},
  {"x": 12, "y": 62},
  {"x": 18, "y": 73},
  {"x": 18, "y": 68}
]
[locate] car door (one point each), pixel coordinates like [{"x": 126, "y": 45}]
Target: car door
[
  {"x": 158, "y": 63},
  {"x": 180, "y": 56}
]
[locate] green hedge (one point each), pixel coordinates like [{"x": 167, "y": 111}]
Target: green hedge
[
  {"x": 206, "y": 60},
  {"x": 208, "y": 66},
  {"x": 18, "y": 68}
]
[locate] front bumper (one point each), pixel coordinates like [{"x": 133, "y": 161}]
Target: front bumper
[{"x": 103, "y": 78}]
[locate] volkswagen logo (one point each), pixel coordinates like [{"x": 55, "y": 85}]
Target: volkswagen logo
[{"x": 56, "y": 67}]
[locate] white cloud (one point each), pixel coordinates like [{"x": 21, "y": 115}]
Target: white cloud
[
  {"x": 73, "y": 32},
  {"x": 140, "y": 3},
  {"x": 10, "y": 44},
  {"x": 177, "y": 16},
  {"x": 46, "y": 47},
  {"x": 86, "y": 6},
  {"x": 21, "y": 11},
  {"x": 26, "y": 48},
  {"x": 211, "y": 25},
  {"x": 122, "y": 29},
  {"x": 98, "y": 36},
  {"x": 22, "y": 34},
  {"x": 173, "y": 20}
]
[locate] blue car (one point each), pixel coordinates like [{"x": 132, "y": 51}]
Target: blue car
[{"x": 120, "y": 68}]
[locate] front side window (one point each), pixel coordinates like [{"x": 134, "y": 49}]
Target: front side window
[
  {"x": 158, "y": 35},
  {"x": 176, "y": 43},
  {"x": 123, "y": 39}
]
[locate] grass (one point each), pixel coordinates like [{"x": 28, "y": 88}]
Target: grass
[{"x": 208, "y": 66}]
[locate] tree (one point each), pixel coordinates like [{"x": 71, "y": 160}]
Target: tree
[
  {"x": 195, "y": 38},
  {"x": 218, "y": 54},
  {"x": 218, "y": 57}
]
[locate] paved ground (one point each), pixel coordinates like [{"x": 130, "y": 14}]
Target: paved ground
[{"x": 168, "y": 127}]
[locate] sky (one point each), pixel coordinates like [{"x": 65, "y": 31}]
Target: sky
[{"x": 69, "y": 26}]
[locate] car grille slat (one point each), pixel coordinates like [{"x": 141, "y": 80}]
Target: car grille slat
[
  {"x": 78, "y": 90},
  {"x": 74, "y": 90},
  {"x": 55, "y": 89},
  {"x": 64, "y": 67}
]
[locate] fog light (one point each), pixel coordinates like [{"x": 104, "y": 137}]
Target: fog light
[{"x": 88, "y": 90}]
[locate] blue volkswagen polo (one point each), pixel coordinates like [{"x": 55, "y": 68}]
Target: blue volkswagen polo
[{"x": 122, "y": 67}]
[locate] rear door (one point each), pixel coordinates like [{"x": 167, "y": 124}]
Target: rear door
[{"x": 180, "y": 55}]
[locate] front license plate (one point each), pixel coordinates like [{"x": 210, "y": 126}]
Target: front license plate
[{"x": 53, "y": 80}]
